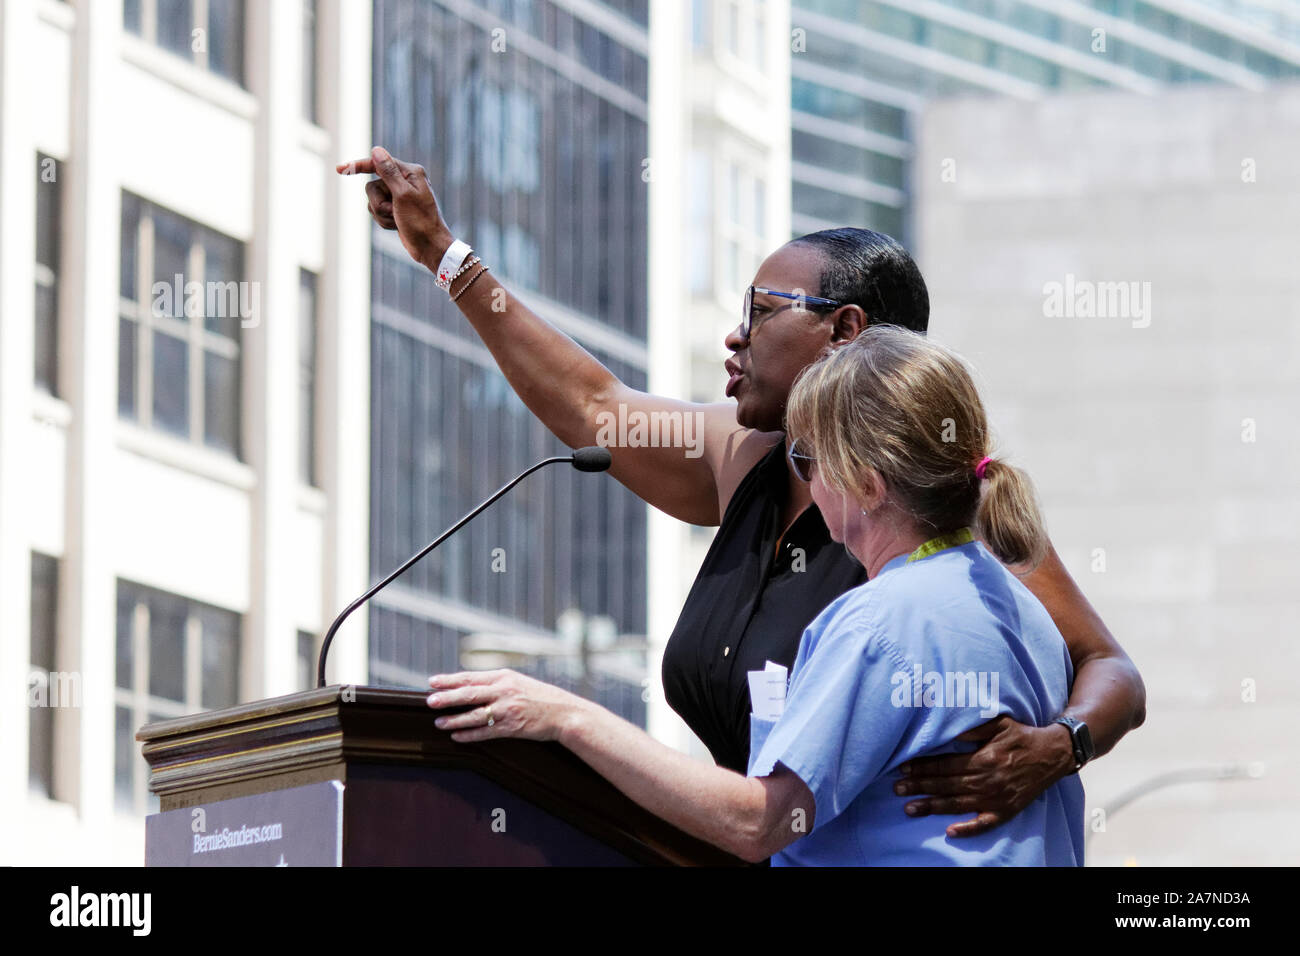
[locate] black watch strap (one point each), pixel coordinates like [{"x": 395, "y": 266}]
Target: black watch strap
[{"x": 1080, "y": 740}]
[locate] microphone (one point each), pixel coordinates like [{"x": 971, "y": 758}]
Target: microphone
[{"x": 592, "y": 458}]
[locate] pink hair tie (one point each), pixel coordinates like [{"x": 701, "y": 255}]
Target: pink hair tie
[{"x": 979, "y": 469}]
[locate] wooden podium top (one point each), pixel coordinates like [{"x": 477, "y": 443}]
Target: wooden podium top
[{"x": 319, "y": 734}]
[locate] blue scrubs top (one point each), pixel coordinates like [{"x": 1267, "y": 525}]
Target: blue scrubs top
[{"x": 895, "y": 669}]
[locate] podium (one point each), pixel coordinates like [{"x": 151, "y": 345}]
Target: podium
[{"x": 360, "y": 776}]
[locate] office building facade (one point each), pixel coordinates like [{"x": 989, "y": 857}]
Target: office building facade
[
  {"x": 531, "y": 120},
  {"x": 863, "y": 70}
]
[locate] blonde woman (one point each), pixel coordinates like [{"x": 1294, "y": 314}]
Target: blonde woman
[{"x": 891, "y": 434}]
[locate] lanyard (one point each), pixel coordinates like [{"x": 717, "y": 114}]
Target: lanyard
[{"x": 942, "y": 543}]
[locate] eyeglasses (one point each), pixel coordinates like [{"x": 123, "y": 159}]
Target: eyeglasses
[
  {"x": 801, "y": 463},
  {"x": 800, "y": 302}
]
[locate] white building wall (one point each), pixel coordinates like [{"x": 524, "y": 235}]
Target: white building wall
[
  {"x": 1165, "y": 446},
  {"x": 18, "y": 32},
  {"x": 112, "y": 500}
]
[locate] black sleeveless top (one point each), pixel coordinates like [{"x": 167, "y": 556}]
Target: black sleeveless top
[{"x": 745, "y": 608}]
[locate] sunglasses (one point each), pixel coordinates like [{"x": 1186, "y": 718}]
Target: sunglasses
[{"x": 800, "y": 462}]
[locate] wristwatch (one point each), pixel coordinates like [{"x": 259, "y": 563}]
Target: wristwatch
[{"x": 1080, "y": 740}]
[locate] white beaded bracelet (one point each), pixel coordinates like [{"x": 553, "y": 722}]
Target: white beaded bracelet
[{"x": 469, "y": 263}]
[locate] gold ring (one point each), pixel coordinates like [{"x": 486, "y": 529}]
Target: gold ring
[{"x": 491, "y": 719}]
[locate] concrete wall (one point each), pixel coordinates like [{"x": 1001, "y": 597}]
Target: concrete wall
[{"x": 1164, "y": 443}]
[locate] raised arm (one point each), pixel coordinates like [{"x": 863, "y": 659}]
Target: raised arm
[
  {"x": 1016, "y": 763},
  {"x": 572, "y": 393}
]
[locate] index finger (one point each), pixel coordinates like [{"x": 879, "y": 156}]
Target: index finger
[
  {"x": 460, "y": 679},
  {"x": 366, "y": 165}
]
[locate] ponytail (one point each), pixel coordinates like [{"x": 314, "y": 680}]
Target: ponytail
[{"x": 1008, "y": 518}]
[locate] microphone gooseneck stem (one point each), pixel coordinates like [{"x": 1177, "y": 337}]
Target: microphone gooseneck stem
[{"x": 329, "y": 635}]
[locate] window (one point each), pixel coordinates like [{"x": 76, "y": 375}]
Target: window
[
  {"x": 181, "y": 309},
  {"x": 506, "y": 138},
  {"x": 174, "y": 657},
  {"x": 741, "y": 230},
  {"x": 843, "y": 209},
  {"x": 957, "y": 43},
  {"x": 896, "y": 23},
  {"x": 808, "y": 97},
  {"x": 405, "y": 650},
  {"x": 49, "y": 203},
  {"x": 1024, "y": 66},
  {"x": 733, "y": 192},
  {"x": 208, "y": 33},
  {"x": 307, "y": 312},
  {"x": 306, "y": 660},
  {"x": 701, "y": 11},
  {"x": 856, "y": 161},
  {"x": 701, "y": 231},
  {"x": 310, "y": 34},
  {"x": 733, "y": 27},
  {"x": 44, "y": 693}
]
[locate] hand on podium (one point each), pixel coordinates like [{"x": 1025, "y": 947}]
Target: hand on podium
[{"x": 505, "y": 704}]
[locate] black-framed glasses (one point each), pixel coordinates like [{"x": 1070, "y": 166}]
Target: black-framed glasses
[
  {"x": 800, "y": 301},
  {"x": 800, "y": 462}
]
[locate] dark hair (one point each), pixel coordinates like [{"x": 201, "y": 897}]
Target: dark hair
[{"x": 873, "y": 271}]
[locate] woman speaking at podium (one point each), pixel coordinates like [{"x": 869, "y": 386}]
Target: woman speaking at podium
[
  {"x": 891, "y": 436},
  {"x": 773, "y": 565}
]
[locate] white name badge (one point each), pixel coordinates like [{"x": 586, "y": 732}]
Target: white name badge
[{"x": 767, "y": 691}]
